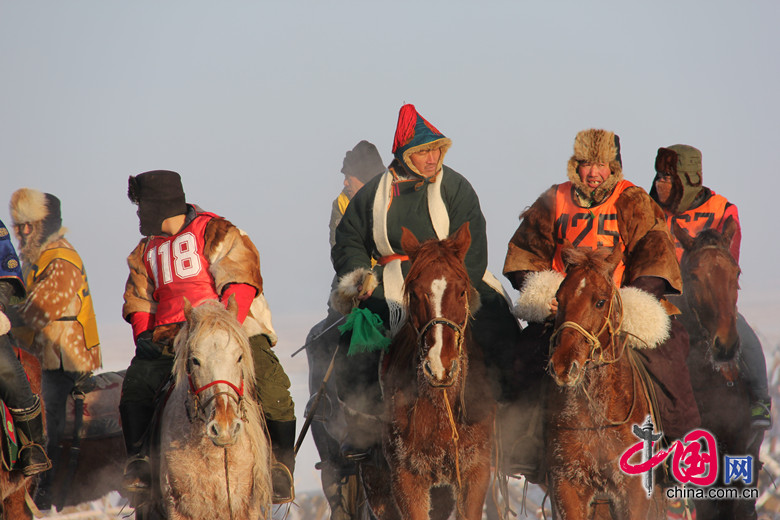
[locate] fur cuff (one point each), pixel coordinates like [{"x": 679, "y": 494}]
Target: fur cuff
[
  {"x": 644, "y": 319},
  {"x": 345, "y": 295},
  {"x": 5, "y": 324},
  {"x": 539, "y": 288}
]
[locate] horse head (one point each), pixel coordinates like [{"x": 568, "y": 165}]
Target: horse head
[
  {"x": 439, "y": 297},
  {"x": 213, "y": 355},
  {"x": 710, "y": 287},
  {"x": 587, "y": 315}
]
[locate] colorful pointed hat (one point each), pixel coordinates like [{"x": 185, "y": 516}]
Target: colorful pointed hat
[{"x": 415, "y": 134}]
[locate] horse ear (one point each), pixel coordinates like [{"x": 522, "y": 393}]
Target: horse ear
[
  {"x": 461, "y": 240},
  {"x": 232, "y": 306},
  {"x": 682, "y": 235},
  {"x": 409, "y": 242},
  {"x": 730, "y": 227},
  {"x": 567, "y": 248},
  {"x": 615, "y": 257},
  {"x": 187, "y": 308}
]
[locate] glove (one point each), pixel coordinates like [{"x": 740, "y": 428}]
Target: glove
[
  {"x": 146, "y": 347},
  {"x": 5, "y": 324}
]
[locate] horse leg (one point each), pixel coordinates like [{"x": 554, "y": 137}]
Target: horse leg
[
  {"x": 442, "y": 502},
  {"x": 14, "y": 506},
  {"x": 376, "y": 485},
  {"x": 572, "y": 502},
  {"x": 471, "y": 498},
  {"x": 412, "y": 494}
]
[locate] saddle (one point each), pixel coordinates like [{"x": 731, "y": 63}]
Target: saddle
[{"x": 92, "y": 408}]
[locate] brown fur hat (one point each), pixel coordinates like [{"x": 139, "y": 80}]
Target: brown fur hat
[
  {"x": 29, "y": 206},
  {"x": 596, "y": 146},
  {"x": 683, "y": 164}
]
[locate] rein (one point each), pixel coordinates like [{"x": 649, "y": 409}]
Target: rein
[{"x": 459, "y": 329}]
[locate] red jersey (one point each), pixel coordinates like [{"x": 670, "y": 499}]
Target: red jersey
[
  {"x": 587, "y": 227},
  {"x": 177, "y": 266}
]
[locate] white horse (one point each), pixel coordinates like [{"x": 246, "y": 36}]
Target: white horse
[{"x": 215, "y": 460}]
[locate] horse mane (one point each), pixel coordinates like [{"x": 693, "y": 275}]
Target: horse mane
[
  {"x": 204, "y": 320},
  {"x": 587, "y": 259},
  {"x": 713, "y": 238}
]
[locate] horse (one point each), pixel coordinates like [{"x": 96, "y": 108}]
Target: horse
[
  {"x": 214, "y": 452},
  {"x": 709, "y": 313},
  {"x": 596, "y": 397},
  {"x": 14, "y": 486},
  {"x": 439, "y": 411}
]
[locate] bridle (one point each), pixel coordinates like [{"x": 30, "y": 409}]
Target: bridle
[
  {"x": 593, "y": 339},
  {"x": 237, "y": 395},
  {"x": 458, "y": 328}
]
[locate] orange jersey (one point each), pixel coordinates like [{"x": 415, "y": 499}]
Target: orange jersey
[
  {"x": 711, "y": 214},
  {"x": 587, "y": 227}
]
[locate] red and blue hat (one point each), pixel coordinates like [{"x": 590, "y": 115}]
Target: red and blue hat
[{"x": 415, "y": 134}]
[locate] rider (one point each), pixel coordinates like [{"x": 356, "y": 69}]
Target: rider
[
  {"x": 168, "y": 264},
  {"x": 361, "y": 164},
  {"x": 57, "y": 318},
  {"x": 419, "y": 193},
  {"x": 598, "y": 207},
  {"x": 678, "y": 189},
  {"x": 15, "y": 391}
]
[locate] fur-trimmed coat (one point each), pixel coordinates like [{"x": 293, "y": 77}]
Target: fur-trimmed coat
[
  {"x": 649, "y": 250},
  {"x": 53, "y": 294},
  {"x": 232, "y": 259}
]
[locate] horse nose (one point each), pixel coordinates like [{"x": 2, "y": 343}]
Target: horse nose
[
  {"x": 223, "y": 434},
  {"x": 427, "y": 368}
]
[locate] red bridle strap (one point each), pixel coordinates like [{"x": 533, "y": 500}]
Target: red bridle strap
[{"x": 239, "y": 391}]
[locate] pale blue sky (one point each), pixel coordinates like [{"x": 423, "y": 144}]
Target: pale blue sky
[{"x": 256, "y": 102}]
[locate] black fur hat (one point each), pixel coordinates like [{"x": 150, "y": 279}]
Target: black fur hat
[{"x": 159, "y": 195}]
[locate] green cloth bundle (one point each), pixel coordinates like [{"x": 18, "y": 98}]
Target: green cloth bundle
[{"x": 368, "y": 332}]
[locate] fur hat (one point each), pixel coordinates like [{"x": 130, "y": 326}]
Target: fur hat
[
  {"x": 596, "y": 146},
  {"x": 363, "y": 162},
  {"x": 29, "y": 205},
  {"x": 159, "y": 195},
  {"x": 683, "y": 164},
  {"x": 413, "y": 134}
]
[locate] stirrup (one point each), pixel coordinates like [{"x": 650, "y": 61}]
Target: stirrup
[
  {"x": 283, "y": 484},
  {"x": 138, "y": 475},
  {"x": 36, "y": 462}
]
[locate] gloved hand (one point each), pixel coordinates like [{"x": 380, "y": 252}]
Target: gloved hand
[
  {"x": 146, "y": 347},
  {"x": 5, "y": 324}
]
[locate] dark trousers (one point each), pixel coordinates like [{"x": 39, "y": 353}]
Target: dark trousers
[{"x": 14, "y": 387}]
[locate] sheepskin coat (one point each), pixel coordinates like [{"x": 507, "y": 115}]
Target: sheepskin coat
[
  {"x": 649, "y": 250},
  {"x": 52, "y": 301},
  {"x": 232, "y": 258}
]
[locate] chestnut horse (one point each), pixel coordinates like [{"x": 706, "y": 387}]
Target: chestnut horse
[
  {"x": 709, "y": 304},
  {"x": 13, "y": 484},
  {"x": 215, "y": 456},
  {"x": 596, "y": 399},
  {"x": 438, "y": 408}
]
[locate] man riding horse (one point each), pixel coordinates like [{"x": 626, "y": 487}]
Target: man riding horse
[
  {"x": 679, "y": 190},
  {"x": 57, "y": 317},
  {"x": 187, "y": 252},
  {"x": 597, "y": 207},
  {"x": 419, "y": 193},
  {"x": 15, "y": 391}
]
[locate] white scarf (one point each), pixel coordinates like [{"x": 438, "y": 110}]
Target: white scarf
[{"x": 392, "y": 276}]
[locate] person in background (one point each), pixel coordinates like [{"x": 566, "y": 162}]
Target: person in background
[
  {"x": 361, "y": 164},
  {"x": 15, "y": 391},
  {"x": 57, "y": 318},
  {"x": 678, "y": 189},
  {"x": 186, "y": 238}
]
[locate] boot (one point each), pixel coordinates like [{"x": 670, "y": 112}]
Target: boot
[
  {"x": 29, "y": 426},
  {"x": 282, "y": 434},
  {"x": 137, "y": 478}
]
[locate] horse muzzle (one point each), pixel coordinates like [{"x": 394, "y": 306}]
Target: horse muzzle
[
  {"x": 224, "y": 433},
  {"x": 567, "y": 376},
  {"x": 447, "y": 380}
]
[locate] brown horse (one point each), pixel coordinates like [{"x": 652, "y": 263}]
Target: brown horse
[
  {"x": 597, "y": 397},
  {"x": 13, "y": 484},
  {"x": 709, "y": 304},
  {"x": 438, "y": 407}
]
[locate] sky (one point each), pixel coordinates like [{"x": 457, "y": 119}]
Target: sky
[{"x": 255, "y": 103}]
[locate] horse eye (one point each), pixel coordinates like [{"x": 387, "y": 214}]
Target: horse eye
[
  {"x": 600, "y": 303},
  {"x": 195, "y": 362},
  {"x": 240, "y": 358}
]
